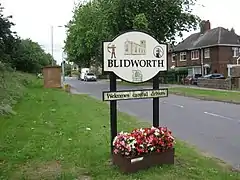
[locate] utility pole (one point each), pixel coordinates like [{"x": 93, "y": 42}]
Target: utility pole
[{"x": 52, "y": 42}]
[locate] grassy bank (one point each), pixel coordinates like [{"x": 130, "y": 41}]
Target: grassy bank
[
  {"x": 49, "y": 138},
  {"x": 12, "y": 88},
  {"x": 225, "y": 96}
]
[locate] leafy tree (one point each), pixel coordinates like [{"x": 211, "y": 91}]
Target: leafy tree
[
  {"x": 89, "y": 22},
  {"x": 68, "y": 69},
  {"x": 140, "y": 22},
  {"x": 101, "y": 20},
  {"x": 23, "y": 55},
  {"x": 7, "y": 37},
  {"x": 30, "y": 57}
]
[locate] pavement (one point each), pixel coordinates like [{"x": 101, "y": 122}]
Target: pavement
[{"x": 213, "y": 127}]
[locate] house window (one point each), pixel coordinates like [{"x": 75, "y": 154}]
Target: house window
[
  {"x": 183, "y": 56},
  {"x": 206, "y": 53},
  {"x": 235, "y": 51},
  {"x": 195, "y": 55},
  {"x": 173, "y": 57},
  {"x": 197, "y": 70}
]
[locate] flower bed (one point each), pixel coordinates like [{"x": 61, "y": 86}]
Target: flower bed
[{"x": 143, "y": 148}]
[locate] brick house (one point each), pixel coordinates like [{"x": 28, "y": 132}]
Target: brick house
[{"x": 208, "y": 51}]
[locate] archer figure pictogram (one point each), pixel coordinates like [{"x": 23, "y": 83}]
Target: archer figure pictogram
[{"x": 111, "y": 49}]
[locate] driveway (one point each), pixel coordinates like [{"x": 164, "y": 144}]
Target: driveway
[{"x": 214, "y": 127}]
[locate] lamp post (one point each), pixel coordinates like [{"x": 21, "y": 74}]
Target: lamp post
[{"x": 52, "y": 43}]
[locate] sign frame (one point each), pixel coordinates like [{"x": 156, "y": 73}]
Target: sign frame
[{"x": 113, "y": 88}]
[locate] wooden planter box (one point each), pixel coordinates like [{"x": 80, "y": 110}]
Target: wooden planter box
[{"x": 131, "y": 165}]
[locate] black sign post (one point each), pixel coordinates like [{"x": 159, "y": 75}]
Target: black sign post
[
  {"x": 137, "y": 60},
  {"x": 113, "y": 109},
  {"x": 156, "y": 108}
]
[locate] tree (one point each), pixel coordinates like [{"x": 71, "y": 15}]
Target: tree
[
  {"x": 101, "y": 20},
  {"x": 30, "y": 57},
  {"x": 140, "y": 22},
  {"x": 7, "y": 37},
  {"x": 88, "y": 21},
  {"x": 23, "y": 55},
  {"x": 68, "y": 69}
]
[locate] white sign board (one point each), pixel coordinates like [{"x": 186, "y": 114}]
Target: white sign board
[
  {"x": 135, "y": 57},
  {"x": 134, "y": 94}
]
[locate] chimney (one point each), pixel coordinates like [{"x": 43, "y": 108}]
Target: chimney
[
  {"x": 205, "y": 26},
  {"x": 232, "y": 30}
]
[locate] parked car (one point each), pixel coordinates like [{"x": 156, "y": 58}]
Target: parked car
[
  {"x": 213, "y": 76},
  {"x": 191, "y": 79},
  {"x": 83, "y": 72},
  {"x": 90, "y": 77}
]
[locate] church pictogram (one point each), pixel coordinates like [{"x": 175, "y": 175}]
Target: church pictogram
[{"x": 133, "y": 48}]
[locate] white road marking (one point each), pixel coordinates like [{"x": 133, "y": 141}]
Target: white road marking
[
  {"x": 164, "y": 102},
  {"x": 178, "y": 105},
  {"x": 220, "y": 116}
]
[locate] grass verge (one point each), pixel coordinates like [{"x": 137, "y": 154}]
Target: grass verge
[
  {"x": 49, "y": 138},
  {"x": 124, "y": 83},
  {"x": 215, "y": 95},
  {"x": 204, "y": 94}
]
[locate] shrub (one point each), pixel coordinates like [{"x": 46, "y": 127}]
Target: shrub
[{"x": 12, "y": 87}]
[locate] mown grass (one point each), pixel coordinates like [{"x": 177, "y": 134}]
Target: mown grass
[
  {"x": 225, "y": 96},
  {"x": 205, "y": 94},
  {"x": 49, "y": 139}
]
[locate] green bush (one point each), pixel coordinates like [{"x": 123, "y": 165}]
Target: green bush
[
  {"x": 173, "y": 76},
  {"x": 103, "y": 76},
  {"x": 74, "y": 72}
]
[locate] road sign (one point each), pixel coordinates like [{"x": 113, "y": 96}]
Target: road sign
[{"x": 135, "y": 57}]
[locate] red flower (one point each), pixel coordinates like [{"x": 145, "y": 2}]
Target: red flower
[{"x": 143, "y": 140}]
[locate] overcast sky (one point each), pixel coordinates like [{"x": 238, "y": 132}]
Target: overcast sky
[{"x": 34, "y": 18}]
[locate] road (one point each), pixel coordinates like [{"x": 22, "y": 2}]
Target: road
[{"x": 213, "y": 127}]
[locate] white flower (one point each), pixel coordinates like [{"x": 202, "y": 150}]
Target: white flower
[
  {"x": 151, "y": 148},
  {"x": 131, "y": 144},
  {"x": 132, "y": 138},
  {"x": 115, "y": 139}
]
